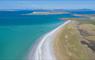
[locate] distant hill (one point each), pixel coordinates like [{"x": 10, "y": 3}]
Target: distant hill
[
  {"x": 20, "y": 12},
  {"x": 83, "y": 11}
]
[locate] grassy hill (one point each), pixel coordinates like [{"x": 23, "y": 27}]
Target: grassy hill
[{"x": 76, "y": 41}]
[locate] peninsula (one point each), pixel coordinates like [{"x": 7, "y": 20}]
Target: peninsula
[{"x": 73, "y": 40}]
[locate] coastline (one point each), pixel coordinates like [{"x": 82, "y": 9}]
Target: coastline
[
  {"x": 68, "y": 42},
  {"x": 43, "y": 49}
]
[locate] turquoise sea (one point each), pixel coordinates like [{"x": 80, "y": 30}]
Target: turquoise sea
[
  {"x": 16, "y": 40},
  {"x": 18, "y": 32}
]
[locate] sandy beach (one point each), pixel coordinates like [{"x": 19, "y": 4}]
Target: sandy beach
[{"x": 44, "y": 49}]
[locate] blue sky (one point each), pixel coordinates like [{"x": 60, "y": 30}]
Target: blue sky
[{"x": 47, "y": 4}]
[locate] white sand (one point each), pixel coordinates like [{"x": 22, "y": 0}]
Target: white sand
[{"x": 43, "y": 50}]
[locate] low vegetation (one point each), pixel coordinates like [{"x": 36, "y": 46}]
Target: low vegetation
[{"x": 76, "y": 41}]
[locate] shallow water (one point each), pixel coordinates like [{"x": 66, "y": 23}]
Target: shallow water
[
  {"x": 16, "y": 40},
  {"x": 19, "y": 33}
]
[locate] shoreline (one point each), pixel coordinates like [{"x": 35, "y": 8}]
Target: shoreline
[{"x": 43, "y": 50}]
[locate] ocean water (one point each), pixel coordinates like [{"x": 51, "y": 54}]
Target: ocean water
[
  {"x": 18, "y": 32},
  {"x": 16, "y": 40}
]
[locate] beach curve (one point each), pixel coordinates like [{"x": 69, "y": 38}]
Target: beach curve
[{"x": 43, "y": 50}]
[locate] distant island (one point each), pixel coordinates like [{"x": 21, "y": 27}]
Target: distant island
[{"x": 46, "y": 13}]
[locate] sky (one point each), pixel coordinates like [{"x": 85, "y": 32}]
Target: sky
[{"x": 46, "y": 4}]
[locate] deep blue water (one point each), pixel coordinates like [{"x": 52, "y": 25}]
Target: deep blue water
[{"x": 19, "y": 19}]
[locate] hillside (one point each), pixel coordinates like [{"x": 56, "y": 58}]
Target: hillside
[{"x": 76, "y": 41}]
